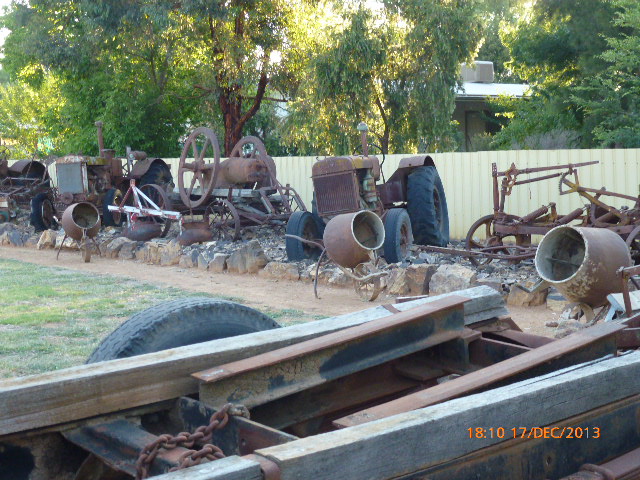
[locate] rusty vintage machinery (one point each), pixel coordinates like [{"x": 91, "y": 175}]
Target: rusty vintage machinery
[
  {"x": 219, "y": 198},
  {"x": 375, "y": 395},
  {"x": 505, "y": 236},
  {"x": 102, "y": 180},
  {"x": 81, "y": 222},
  {"x": 411, "y": 203},
  {"x": 26, "y": 184}
]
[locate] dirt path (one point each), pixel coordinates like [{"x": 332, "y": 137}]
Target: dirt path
[{"x": 253, "y": 290}]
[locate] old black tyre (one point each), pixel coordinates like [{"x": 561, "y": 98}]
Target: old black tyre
[
  {"x": 306, "y": 225},
  {"x": 109, "y": 218},
  {"x": 178, "y": 323},
  {"x": 427, "y": 207},
  {"x": 42, "y": 212},
  {"x": 159, "y": 174},
  {"x": 397, "y": 235}
]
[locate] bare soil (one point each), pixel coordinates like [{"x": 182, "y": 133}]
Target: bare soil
[{"x": 252, "y": 290}]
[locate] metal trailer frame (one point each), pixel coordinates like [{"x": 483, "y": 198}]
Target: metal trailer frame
[{"x": 359, "y": 396}]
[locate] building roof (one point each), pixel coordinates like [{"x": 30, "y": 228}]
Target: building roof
[{"x": 473, "y": 90}]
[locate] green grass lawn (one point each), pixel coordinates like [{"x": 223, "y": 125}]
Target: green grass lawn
[{"x": 52, "y": 318}]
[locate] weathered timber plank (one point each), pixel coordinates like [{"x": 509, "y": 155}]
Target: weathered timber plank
[
  {"x": 278, "y": 373},
  {"x": 89, "y": 390},
  {"x": 543, "y": 458},
  {"x": 229, "y": 468},
  {"x": 488, "y": 375},
  {"x": 484, "y": 303},
  {"x": 85, "y": 391},
  {"x": 416, "y": 440}
]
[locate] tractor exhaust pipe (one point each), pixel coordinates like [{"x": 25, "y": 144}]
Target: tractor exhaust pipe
[
  {"x": 582, "y": 263},
  {"x": 351, "y": 237}
]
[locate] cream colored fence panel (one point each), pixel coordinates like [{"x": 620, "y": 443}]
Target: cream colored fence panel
[{"x": 467, "y": 179}]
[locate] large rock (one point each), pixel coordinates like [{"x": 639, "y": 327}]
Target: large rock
[
  {"x": 219, "y": 263},
  {"x": 204, "y": 259},
  {"x": 398, "y": 282},
  {"x": 69, "y": 243},
  {"x": 249, "y": 258},
  {"x": 149, "y": 253},
  {"x": 520, "y": 298},
  {"x": 114, "y": 247},
  {"x": 280, "y": 271},
  {"x": 170, "y": 253},
  {"x": 6, "y": 227},
  {"x": 189, "y": 259},
  {"x": 128, "y": 250},
  {"x": 337, "y": 278},
  {"x": 449, "y": 278},
  {"x": 12, "y": 238},
  {"x": 47, "y": 239},
  {"x": 419, "y": 276}
]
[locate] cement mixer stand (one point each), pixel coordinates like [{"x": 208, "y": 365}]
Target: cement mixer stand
[{"x": 81, "y": 222}]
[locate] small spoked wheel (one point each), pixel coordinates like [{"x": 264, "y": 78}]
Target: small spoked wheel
[
  {"x": 483, "y": 227},
  {"x": 224, "y": 221},
  {"x": 367, "y": 290},
  {"x": 159, "y": 197},
  {"x": 201, "y": 145}
]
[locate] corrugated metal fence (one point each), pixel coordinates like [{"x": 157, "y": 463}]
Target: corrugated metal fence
[{"x": 467, "y": 179}]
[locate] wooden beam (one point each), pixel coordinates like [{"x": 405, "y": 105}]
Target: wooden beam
[
  {"x": 85, "y": 391},
  {"x": 230, "y": 468},
  {"x": 484, "y": 303},
  {"x": 81, "y": 392},
  {"x": 413, "y": 441},
  {"x": 492, "y": 374},
  {"x": 278, "y": 373}
]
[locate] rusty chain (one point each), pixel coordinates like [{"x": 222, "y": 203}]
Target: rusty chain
[{"x": 200, "y": 436}]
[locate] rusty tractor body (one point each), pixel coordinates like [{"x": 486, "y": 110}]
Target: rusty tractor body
[
  {"x": 411, "y": 203},
  {"x": 26, "y": 184},
  {"x": 104, "y": 179},
  {"x": 442, "y": 388}
]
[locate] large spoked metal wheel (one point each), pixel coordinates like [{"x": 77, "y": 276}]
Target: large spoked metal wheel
[
  {"x": 224, "y": 221},
  {"x": 158, "y": 196},
  {"x": 252, "y": 147},
  {"x": 508, "y": 247},
  {"x": 480, "y": 236},
  {"x": 201, "y": 145}
]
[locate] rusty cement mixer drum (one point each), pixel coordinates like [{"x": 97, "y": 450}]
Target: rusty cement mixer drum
[
  {"x": 582, "y": 262},
  {"x": 81, "y": 219},
  {"x": 351, "y": 237}
]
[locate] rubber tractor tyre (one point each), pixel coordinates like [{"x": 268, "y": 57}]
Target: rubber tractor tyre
[
  {"x": 427, "y": 207},
  {"x": 179, "y": 323}
]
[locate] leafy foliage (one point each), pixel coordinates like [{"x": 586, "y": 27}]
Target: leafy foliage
[{"x": 395, "y": 68}]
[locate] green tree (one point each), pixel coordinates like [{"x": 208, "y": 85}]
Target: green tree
[
  {"x": 556, "y": 46},
  {"x": 611, "y": 100},
  {"x": 26, "y": 114},
  {"x": 395, "y": 68}
]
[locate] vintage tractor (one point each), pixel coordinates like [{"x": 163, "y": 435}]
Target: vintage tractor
[
  {"x": 411, "y": 202},
  {"x": 102, "y": 180},
  {"x": 25, "y": 184}
]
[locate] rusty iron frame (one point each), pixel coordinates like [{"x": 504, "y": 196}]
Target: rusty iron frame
[{"x": 623, "y": 221}]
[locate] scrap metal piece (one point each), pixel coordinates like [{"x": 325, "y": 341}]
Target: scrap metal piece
[
  {"x": 350, "y": 238},
  {"x": 582, "y": 263},
  {"x": 266, "y": 377}
]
